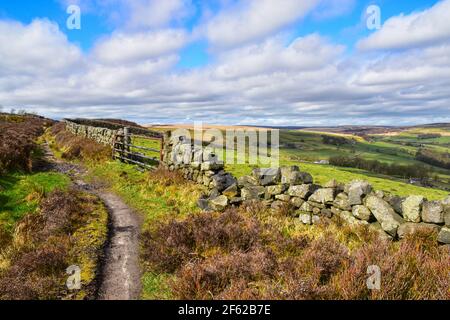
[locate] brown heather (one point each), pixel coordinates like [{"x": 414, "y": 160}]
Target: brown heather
[
  {"x": 44, "y": 245},
  {"x": 75, "y": 147},
  {"x": 17, "y": 141},
  {"x": 236, "y": 255}
]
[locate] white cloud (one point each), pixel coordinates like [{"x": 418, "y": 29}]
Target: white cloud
[
  {"x": 253, "y": 20},
  {"x": 271, "y": 56},
  {"x": 306, "y": 81},
  {"x": 122, "y": 48},
  {"x": 411, "y": 31},
  {"x": 37, "y": 48}
]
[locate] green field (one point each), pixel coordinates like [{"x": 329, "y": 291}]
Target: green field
[
  {"x": 147, "y": 143},
  {"x": 304, "y": 148}
]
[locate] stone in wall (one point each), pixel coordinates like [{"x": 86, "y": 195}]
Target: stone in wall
[
  {"x": 396, "y": 202},
  {"x": 355, "y": 203},
  {"x": 356, "y": 190},
  {"x": 293, "y": 176},
  {"x": 305, "y": 217},
  {"x": 253, "y": 193},
  {"x": 210, "y": 166},
  {"x": 444, "y": 235},
  {"x": 297, "y": 201},
  {"x": 289, "y": 175},
  {"x": 275, "y": 190},
  {"x": 283, "y": 197},
  {"x": 446, "y": 204},
  {"x": 219, "y": 203},
  {"x": 361, "y": 212},
  {"x": 267, "y": 176},
  {"x": 222, "y": 181},
  {"x": 433, "y": 212},
  {"x": 306, "y": 207},
  {"x": 385, "y": 214},
  {"x": 277, "y": 205},
  {"x": 326, "y": 213},
  {"x": 324, "y": 196},
  {"x": 303, "y": 191},
  {"x": 412, "y": 207},
  {"x": 342, "y": 202},
  {"x": 247, "y": 181},
  {"x": 348, "y": 217},
  {"x": 232, "y": 191}
]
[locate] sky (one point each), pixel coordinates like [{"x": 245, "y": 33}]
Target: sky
[{"x": 254, "y": 62}]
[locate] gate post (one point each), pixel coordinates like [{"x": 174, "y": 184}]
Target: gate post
[{"x": 126, "y": 141}]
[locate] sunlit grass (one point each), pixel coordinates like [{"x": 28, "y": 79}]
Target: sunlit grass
[{"x": 21, "y": 193}]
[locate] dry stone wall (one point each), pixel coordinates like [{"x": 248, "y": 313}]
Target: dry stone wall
[
  {"x": 101, "y": 135},
  {"x": 355, "y": 203},
  {"x": 102, "y": 131}
]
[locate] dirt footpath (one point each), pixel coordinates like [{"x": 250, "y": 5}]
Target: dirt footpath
[{"x": 120, "y": 275}]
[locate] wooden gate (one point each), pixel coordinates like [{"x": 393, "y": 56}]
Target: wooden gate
[{"x": 144, "y": 151}]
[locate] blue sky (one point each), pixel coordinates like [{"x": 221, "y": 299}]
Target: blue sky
[
  {"x": 96, "y": 24},
  {"x": 227, "y": 61}
]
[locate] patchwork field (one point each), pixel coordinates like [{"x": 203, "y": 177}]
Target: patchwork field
[{"x": 305, "y": 147}]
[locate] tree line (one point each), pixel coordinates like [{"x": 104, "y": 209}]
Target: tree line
[{"x": 404, "y": 171}]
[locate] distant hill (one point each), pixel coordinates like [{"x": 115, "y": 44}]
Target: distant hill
[{"x": 345, "y": 129}]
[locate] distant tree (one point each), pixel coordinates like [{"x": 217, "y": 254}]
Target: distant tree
[
  {"x": 429, "y": 136},
  {"x": 403, "y": 171},
  {"x": 335, "y": 140},
  {"x": 434, "y": 158}
]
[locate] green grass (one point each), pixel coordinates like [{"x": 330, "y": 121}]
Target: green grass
[
  {"x": 147, "y": 143},
  {"x": 88, "y": 242},
  {"x": 155, "y": 286},
  {"x": 310, "y": 148},
  {"x": 20, "y": 194},
  {"x": 155, "y": 201},
  {"x": 324, "y": 173}
]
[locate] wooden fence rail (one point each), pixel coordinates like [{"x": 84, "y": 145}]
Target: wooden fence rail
[{"x": 123, "y": 147}]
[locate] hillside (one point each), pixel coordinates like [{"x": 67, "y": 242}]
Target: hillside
[
  {"x": 154, "y": 218},
  {"x": 395, "y": 148}
]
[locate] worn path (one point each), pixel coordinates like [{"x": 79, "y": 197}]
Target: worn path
[{"x": 120, "y": 277}]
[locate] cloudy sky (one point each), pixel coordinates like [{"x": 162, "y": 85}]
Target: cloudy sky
[{"x": 266, "y": 62}]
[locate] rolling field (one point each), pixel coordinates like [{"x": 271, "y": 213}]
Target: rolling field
[{"x": 304, "y": 147}]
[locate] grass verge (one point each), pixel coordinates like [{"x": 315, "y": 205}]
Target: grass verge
[
  {"x": 21, "y": 193},
  {"x": 69, "y": 228},
  {"x": 158, "y": 195}
]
